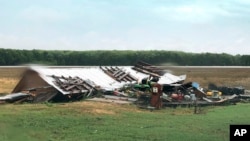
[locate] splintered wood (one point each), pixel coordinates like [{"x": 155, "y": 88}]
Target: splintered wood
[
  {"x": 72, "y": 84},
  {"x": 118, "y": 74},
  {"x": 148, "y": 69}
]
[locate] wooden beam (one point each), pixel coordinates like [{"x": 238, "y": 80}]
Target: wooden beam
[
  {"x": 146, "y": 72},
  {"x": 123, "y": 76}
]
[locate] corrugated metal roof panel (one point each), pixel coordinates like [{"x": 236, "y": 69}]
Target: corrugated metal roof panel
[
  {"x": 93, "y": 74},
  {"x": 167, "y": 78},
  {"x": 97, "y": 76}
]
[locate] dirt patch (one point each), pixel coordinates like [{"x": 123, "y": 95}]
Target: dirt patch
[
  {"x": 231, "y": 77},
  {"x": 9, "y": 77},
  {"x": 93, "y": 107},
  {"x": 102, "y": 111},
  {"x": 7, "y": 84}
]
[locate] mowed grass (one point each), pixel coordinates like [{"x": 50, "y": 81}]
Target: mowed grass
[{"x": 108, "y": 121}]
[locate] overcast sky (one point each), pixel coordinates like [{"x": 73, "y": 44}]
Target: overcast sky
[{"x": 182, "y": 25}]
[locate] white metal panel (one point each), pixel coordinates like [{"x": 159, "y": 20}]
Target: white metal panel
[
  {"x": 97, "y": 76},
  {"x": 167, "y": 78},
  {"x": 93, "y": 74}
]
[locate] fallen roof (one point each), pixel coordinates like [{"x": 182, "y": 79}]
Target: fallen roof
[{"x": 96, "y": 77}]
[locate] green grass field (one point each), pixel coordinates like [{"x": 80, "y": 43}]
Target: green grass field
[{"x": 106, "y": 121}]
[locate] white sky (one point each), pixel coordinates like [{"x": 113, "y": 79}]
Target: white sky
[{"x": 183, "y": 25}]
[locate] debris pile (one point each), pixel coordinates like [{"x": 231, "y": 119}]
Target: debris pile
[
  {"x": 72, "y": 85},
  {"x": 227, "y": 90},
  {"x": 143, "y": 84},
  {"x": 148, "y": 69},
  {"x": 118, "y": 74},
  {"x": 15, "y": 97}
]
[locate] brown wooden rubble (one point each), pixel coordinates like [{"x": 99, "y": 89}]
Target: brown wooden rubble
[
  {"x": 148, "y": 69},
  {"x": 72, "y": 84},
  {"x": 118, "y": 74}
]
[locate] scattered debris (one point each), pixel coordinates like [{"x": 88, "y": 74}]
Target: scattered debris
[
  {"x": 227, "y": 90},
  {"x": 145, "y": 85},
  {"x": 14, "y": 97},
  {"x": 148, "y": 69},
  {"x": 72, "y": 85},
  {"x": 213, "y": 94},
  {"x": 118, "y": 74},
  {"x": 110, "y": 100}
]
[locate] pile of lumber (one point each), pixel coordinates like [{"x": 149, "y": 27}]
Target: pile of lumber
[
  {"x": 72, "y": 84},
  {"x": 118, "y": 74},
  {"x": 148, "y": 69}
]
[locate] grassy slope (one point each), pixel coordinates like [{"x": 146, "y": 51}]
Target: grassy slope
[{"x": 101, "y": 121}]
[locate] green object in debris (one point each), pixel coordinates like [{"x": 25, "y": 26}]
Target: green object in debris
[{"x": 142, "y": 87}]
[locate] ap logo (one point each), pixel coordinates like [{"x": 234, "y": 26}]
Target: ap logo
[{"x": 239, "y": 132}]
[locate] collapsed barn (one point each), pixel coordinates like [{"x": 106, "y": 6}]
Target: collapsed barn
[
  {"x": 62, "y": 83},
  {"x": 131, "y": 83}
]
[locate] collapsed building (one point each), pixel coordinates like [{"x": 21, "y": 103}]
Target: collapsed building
[{"x": 59, "y": 84}]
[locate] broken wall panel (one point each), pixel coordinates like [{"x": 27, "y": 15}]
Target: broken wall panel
[
  {"x": 42, "y": 94},
  {"x": 30, "y": 79},
  {"x": 44, "y": 97}
]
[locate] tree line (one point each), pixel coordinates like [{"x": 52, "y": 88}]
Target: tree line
[{"x": 10, "y": 57}]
